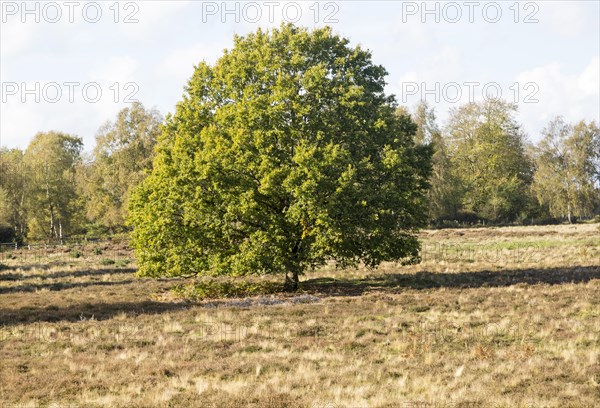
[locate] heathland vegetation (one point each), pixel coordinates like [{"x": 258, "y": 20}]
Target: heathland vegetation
[
  {"x": 491, "y": 317},
  {"x": 285, "y": 156}
]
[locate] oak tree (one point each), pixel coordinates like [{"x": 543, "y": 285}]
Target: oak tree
[{"x": 284, "y": 154}]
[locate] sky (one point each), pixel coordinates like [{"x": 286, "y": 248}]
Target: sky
[{"x": 70, "y": 66}]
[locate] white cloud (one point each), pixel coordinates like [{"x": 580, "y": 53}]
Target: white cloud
[
  {"x": 442, "y": 66},
  {"x": 117, "y": 68},
  {"x": 149, "y": 14},
  {"x": 565, "y": 18},
  {"x": 119, "y": 79},
  {"x": 430, "y": 77},
  {"x": 179, "y": 64},
  {"x": 22, "y": 126},
  {"x": 21, "y": 120},
  {"x": 574, "y": 96},
  {"x": 412, "y": 32},
  {"x": 153, "y": 11},
  {"x": 16, "y": 37},
  {"x": 589, "y": 80}
]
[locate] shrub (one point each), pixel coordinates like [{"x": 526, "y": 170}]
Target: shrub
[
  {"x": 213, "y": 289},
  {"x": 7, "y": 234},
  {"x": 122, "y": 262}
]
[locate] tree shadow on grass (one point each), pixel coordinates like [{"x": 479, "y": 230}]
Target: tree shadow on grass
[
  {"x": 391, "y": 283},
  {"x": 10, "y": 276},
  {"x": 16, "y": 276},
  {"x": 33, "y": 266},
  {"x": 83, "y": 311},
  {"x": 426, "y": 280},
  {"x": 34, "y": 287},
  {"x": 90, "y": 272}
]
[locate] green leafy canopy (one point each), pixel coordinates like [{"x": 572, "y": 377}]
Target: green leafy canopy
[{"x": 284, "y": 154}]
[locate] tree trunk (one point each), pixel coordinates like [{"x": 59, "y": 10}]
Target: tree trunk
[
  {"x": 52, "y": 232},
  {"x": 52, "y": 229},
  {"x": 292, "y": 283}
]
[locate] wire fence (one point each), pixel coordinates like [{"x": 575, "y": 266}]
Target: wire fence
[{"x": 104, "y": 251}]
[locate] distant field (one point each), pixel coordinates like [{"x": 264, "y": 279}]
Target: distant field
[{"x": 506, "y": 317}]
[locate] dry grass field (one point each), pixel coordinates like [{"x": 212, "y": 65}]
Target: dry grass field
[{"x": 506, "y": 317}]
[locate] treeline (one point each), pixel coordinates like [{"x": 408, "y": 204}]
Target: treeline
[
  {"x": 484, "y": 170},
  {"x": 52, "y": 190}
]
